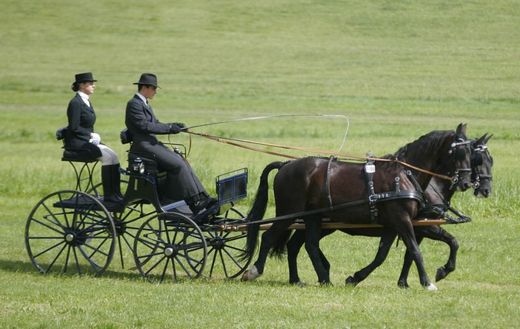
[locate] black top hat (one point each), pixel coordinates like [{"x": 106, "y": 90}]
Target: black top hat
[
  {"x": 85, "y": 77},
  {"x": 147, "y": 79}
]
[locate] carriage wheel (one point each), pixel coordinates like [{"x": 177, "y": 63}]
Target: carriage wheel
[
  {"x": 170, "y": 246},
  {"x": 70, "y": 232},
  {"x": 127, "y": 224},
  {"x": 225, "y": 248}
]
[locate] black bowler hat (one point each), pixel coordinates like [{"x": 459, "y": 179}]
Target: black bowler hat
[
  {"x": 85, "y": 77},
  {"x": 147, "y": 79}
]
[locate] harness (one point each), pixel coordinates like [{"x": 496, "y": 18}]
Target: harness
[{"x": 374, "y": 198}]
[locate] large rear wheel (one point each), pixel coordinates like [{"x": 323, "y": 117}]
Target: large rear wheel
[
  {"x": 170, "y": 246},
  {"x": 70, "y": 232}
]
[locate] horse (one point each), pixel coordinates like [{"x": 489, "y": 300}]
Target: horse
[
  {"x": 307, "y": 185},
  {"x": 438, "y": 195},
  {"x": 482, "y": 162},
  {"x": 481, "y": 177}
]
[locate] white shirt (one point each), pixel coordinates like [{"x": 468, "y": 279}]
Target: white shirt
[
  {"x": 142, "y": 98},
  {"x": 85, "y": 98}
]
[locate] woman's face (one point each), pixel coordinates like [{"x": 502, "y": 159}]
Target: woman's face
[{"x": 87, "y": 87}]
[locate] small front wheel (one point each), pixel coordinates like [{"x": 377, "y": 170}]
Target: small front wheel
[
  {"x": 227, "y": 247},
  {"x": 169, "y": 246}
]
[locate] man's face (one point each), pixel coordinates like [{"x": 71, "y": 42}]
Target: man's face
[{"x": 149, "y": 91}]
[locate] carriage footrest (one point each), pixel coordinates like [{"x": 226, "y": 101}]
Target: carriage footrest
[{"x": 178, "y": 206}]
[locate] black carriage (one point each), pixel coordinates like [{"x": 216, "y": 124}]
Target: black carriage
[{"x": 75, "y": 231}]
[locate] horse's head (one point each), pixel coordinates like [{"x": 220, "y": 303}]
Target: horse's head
[
  {"x": 481, "y": 164},
  {"x": 459, "y": 159}
]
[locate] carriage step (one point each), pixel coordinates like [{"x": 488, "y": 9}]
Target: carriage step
[{"x": 84, "y": 202}]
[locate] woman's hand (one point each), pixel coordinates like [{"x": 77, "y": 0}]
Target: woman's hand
[{"x": 95, "y": 138}]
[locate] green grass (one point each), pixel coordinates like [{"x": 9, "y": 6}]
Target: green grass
[{"x": 396, "y": 69}]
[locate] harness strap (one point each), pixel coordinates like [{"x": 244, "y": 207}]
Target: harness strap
[
  {"x": 370, "y": 169},
  {"x": 327, "y": 181}
]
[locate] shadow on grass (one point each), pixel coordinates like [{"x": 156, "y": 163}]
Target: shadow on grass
[{"x": 27, "y": 267}]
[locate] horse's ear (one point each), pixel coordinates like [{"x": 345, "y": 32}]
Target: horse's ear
[
  {"x": 487, "y": 139},
  {"x": 481, "y": 140},
  {"x": 461, "y": 129}
]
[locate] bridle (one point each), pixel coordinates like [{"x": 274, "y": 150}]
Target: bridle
[
  {"x": 458, "y": 152},
  {"x": 476, "y": 165}
]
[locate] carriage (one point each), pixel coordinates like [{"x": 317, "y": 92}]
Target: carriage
[{"x": 75, "y": 231}]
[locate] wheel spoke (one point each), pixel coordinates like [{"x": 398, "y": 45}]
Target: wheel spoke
[
  {"x": 48, "y": 249},
  {"x": 55, "y": 258},
  {"x": 47, "y": 226}
]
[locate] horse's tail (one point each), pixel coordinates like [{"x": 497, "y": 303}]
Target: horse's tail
[
  {"x": 278, "y": 249},
  {"x": 258, "y": 210}
]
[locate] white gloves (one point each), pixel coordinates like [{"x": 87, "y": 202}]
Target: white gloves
[{"x": 95, "y": 138}]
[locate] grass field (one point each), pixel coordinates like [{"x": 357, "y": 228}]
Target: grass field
[{"x": 396, "y": 69}]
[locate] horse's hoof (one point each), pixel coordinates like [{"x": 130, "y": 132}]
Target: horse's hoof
[
  {"x": 431, "y": 287},
  {"x": 298, "y": 284},
  {"x": 250, "y": 274},
  {"x": 403, "y": 284},
  {"x": 441, "y": 274},
  {"x": 326, "y": 284},
  {"x": 350, "y": 281}
]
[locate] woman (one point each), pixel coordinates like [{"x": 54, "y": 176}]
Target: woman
[{"x": 82, "y": 140}]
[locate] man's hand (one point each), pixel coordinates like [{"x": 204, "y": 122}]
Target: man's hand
[
  {"x": 174, "y": 128},
  {"x": 177, "y": 127}
]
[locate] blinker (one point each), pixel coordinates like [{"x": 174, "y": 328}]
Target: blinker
[
  {"x": 460, "y": 154},
  {"x": 477, "y": 160}
]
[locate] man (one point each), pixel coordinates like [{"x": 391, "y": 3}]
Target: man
[{"x": 143, "y": 125}]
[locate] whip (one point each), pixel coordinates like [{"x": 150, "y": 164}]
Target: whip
[{"x": 264, "y": 117}]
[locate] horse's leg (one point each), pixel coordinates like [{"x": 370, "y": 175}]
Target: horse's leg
[
  {"x": 449, "y": 267},
  {"x": 407, "y": 263},
  {"x": 405, "y": 230},
  {"x": 439, "y": 234},
  {"x": 312, "y": 246},
  {"x": 387, "y": 237},
  {"x": 267, "y": 239},
  {"x": 293, "y": 248}
]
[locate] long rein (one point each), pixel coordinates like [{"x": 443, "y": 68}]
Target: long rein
[{"x": 241, "y": 143}]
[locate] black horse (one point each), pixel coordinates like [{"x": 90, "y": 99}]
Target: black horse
[
  {"x": 438, "y": 196},
  {"x": 310, "y": 184},
  {"x": 439, "y": 193}
]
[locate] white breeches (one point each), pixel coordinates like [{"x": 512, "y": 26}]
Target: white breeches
[{"x": 108, "y": 156}]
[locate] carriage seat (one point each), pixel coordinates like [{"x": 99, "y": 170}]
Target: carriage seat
[{"x": 73, "y": 155}]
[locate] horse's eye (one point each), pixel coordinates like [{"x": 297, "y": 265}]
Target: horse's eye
[
  {"x": 460, "y": 154},
  {"x": 477, "y": 159}
]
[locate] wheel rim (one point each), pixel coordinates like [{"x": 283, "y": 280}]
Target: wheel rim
[
  {"x": 70, "y": 232},
  {"x": 170, "y": 247},
  {"x": 225, "y": 248}
]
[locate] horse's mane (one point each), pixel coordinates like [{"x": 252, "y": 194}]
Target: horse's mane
[{"x": 430, "y": 141}]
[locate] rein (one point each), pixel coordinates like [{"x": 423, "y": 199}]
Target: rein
[{"x": 238, "y": 143}]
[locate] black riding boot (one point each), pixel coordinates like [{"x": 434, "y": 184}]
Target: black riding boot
[
  {"x": 110, "y": 177},
  {"x": 200, "y": 202}
]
